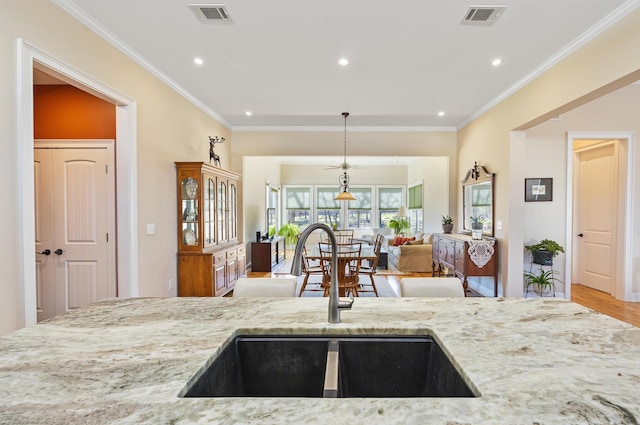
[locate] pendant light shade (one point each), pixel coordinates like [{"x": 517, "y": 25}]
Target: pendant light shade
[{"x": 344, "y": 195}]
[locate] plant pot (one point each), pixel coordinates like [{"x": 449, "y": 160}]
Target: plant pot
[
  {"x": 544, "y": 258},
  {"x": 477, "y": 226},
  {"x": 447, "y": 228}
]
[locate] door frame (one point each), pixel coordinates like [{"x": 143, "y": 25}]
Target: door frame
[
  {"x": 30, "y": 57},
  {"x": 622, "y": 287}
]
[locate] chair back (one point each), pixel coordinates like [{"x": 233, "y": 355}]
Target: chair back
[
  {"x": 265, "y": 287},
  {"x": 348, "y": 256},
  {"x": 441, "y": 287},
  {"x": 343, "y": 236}
]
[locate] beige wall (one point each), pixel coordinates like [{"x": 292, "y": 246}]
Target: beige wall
[
  {"x": 546, "y": 153},
  {"x": 169, "y": 128},
  {"x": 608, "y": 62}
]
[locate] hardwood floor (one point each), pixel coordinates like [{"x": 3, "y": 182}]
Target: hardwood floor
[{"x": 606, "y": 304}]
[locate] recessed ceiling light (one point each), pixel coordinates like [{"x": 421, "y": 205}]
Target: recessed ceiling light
[
  {"x": 344, "y": 61},
  {"x": 441, "y": 114},
  {"x": 496, "y": 62},
  {"x": 248, "y": 113},
  {"x": 198, "y": 61}
]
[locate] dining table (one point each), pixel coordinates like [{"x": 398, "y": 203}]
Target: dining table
[{"x": 346, "y": 281}]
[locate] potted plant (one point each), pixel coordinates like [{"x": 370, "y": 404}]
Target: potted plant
[
  {"x": 477, "y": 222},
  {"x": 290, "y": 232},
  {"x": 447, "y": 224},
  {"x": 399, "y": 225},
  {"x": 543, "y": 252},
  {"x": 542, "y": 283}
]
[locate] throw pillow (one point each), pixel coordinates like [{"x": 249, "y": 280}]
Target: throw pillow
[
  {"x": 416, "y": 242},
  {"x": 399, "y": 240}
]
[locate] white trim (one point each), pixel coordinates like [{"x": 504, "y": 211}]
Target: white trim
[
  {"x": 361, "y": 128},
  {"x": 597, "y": 29},
  {"x": 126, "y": 169},
  {"x": 112, "y": 39},
  {"x": 626, "y": 274}
]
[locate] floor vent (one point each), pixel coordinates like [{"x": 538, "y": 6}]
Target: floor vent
[
  {"x": 211, "y": 12},
  {"x": 483, "y": 15}
]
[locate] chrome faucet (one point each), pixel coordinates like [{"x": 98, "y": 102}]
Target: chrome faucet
[{"x": 335, "y": 303}]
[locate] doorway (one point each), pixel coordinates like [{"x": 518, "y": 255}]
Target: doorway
[
  {"x": 598, "y": 212},
  {"x": 126, "y": 173},
  {"x": 75, "y": 224}
]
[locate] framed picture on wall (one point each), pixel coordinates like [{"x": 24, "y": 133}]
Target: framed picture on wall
[{"x": 536, "y": 190}]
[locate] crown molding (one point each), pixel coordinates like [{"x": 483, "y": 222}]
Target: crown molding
[
  {"x": 597, "y": 29},
  {"x": 372, "y": 129},
  {"x": 111, "y": 38}
]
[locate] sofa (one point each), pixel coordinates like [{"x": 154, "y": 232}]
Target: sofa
[{"x": 412, "y": 255}]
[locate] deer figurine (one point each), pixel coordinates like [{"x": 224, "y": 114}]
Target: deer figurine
[{"x": 212, "y": 154}]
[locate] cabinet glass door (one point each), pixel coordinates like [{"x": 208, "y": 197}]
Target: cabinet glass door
[
  {"x": 233, "y": 212},
  {"x": 209, "y": 211},
  {"x": 222, "y": 212},
  {"x": 189, "y": 209}
]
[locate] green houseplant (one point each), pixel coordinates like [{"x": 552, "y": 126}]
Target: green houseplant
[
  {"x": 399, "y": 225},
  {"x": 290, "y": 232},
  {"x": 543, "y": 252},
  {"x": 542, "y": 283},
  {"x": 447, "y": 224},
  {"x": 477, "y": 222}
]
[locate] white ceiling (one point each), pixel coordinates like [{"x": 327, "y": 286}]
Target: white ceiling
[{"x": 409, "y": 59}]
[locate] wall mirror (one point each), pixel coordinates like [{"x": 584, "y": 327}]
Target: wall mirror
[
  {"x": 478, "y": 199},
  {"x": 273, "y": 204}
]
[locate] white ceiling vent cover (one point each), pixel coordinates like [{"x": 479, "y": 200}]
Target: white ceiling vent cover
[
  {"x": 211, "y": 12},
  {"x": 483, "y": 15}
]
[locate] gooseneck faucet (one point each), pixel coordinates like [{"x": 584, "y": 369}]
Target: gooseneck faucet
[{"x": 335, "y": 304}]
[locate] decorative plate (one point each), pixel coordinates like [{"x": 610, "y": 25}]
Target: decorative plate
[{"x": 189, "y": 237}]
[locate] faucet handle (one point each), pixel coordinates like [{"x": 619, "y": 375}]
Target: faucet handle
[{"x": 345, "y": 303}]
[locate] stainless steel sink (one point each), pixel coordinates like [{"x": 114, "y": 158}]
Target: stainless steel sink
[{"x": 330, "y": 366}]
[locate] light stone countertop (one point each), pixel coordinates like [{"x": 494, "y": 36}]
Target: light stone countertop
[{"x": 124, "y": 361}]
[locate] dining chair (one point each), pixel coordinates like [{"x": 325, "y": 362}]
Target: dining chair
[
  {"x": 343, "y": 236},
  {"x": 348, "y": 268},
  {"x": 265, "y": 287},
  {"x": 372, "y": 265},
  {"x": 309, "y": 269}
]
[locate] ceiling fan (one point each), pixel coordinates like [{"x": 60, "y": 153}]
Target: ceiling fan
[{"x": 345, "y": 165}]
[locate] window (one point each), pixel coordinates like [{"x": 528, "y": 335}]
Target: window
[
  {"x": 298, "y": 206},
  {"x": 359, "y": 211},
  {"x": 328, "y": 209},
  {"x": 389, "y": 201},
  {"x": 415, "y": 207}
]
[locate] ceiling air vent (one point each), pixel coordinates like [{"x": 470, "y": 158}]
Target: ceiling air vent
[
  {"x": 210, "y": 12},
  {"x": 483, "y": 15}
]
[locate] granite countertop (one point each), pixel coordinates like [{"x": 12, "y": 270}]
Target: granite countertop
[{"x": 124, "y": 361}]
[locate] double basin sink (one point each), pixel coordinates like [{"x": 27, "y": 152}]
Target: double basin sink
[{"x": 330, "y": 366}]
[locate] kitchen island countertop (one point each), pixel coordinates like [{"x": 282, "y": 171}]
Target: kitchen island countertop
[{"x": 124, "y": 361}]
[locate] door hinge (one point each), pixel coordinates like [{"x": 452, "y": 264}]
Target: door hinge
[
  {"x": 107, "y": 237},
  {"x": 106, "y": 169}
]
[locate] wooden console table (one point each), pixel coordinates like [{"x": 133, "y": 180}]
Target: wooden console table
[
  {"x": 453, "y": 252},
  {"x": 267, "y": 255}
]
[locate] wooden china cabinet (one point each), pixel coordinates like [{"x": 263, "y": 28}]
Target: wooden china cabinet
[{"x": 210, "y": 259}]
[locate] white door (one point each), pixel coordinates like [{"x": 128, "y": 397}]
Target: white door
[
  {"x": 75, "y": 227},
  {"x": 597, "y": 209}
]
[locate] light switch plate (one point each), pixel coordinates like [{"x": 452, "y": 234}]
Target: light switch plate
[
  {"x": 499, "y": 225},
  {"x": 151, "y": 229}
]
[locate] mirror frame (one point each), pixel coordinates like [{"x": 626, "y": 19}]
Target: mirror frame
[
  {"x": 475, "y": 176},
  {"x": 272, "y": 206}
]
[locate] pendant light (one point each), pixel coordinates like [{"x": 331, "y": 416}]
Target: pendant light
[{"x": 344, "y": 195}]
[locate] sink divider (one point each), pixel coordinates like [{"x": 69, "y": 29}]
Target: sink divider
[{"x": 331, "y": 370}]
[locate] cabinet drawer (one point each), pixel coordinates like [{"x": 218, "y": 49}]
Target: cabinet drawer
[
  {"x": 219, "y": 257},
  {"x": 242, "y": 250},
  {"x": 232, "y": 253}
]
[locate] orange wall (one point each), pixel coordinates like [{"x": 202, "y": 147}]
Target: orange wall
[{"x": 65, "y": 112}]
